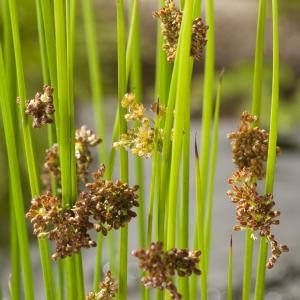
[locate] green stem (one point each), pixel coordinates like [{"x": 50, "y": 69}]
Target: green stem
[
  {"x": 65, "y": 124},
  {"x": 185, "y": 195},
  {"x": 271, "y": 161},
  {"x": 17, "y": 194},
  {"x": 256, "y": 109},
  {"x": 30, "y": 158},
  {"x": 15, "y": 279},
  {"x": 182, "y": 97},
  {"x": 95, "y": 74},
  {"x": 98, "y": 263},
  {"x": 208, "y": 94},
  {"x": 229, "y": 275},
  {"x": 212, "y": 171},
  {"x": 121, "y": 40}
]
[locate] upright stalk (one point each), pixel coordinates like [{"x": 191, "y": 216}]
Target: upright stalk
[
  {"x": 17, "y": 194},
  {"x": 256, "y": 108},
  {"x": 182, "y": 97},
  {"x": 229, "y": 274},
  {"x": 65, "y": 126},
  {"x": 121, "y": 40},
  {"x": 271, "y": 161},
  {"x": 212, "y": 170},
  {"x": 208, "y": 94},
  {"x": 29, "y": 152}
]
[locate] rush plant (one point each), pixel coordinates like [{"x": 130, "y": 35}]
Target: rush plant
[{"x": 72, "y": 202}]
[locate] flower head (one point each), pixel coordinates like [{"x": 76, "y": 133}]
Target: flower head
[
  {"x": 43, "y": 211},
  {"x": 84, "y": 139},
  {"x": 109, "y": 203},
  {"x": 171, "y": 18},
  {"x": 249, "y": 146},
  {"x": 108, "y": 289},
  {"x": 160, "y": 266},
  {"x": 254, "y": 211},
  {"x": 144, "y": 135},
  {"x": 41, "y": 107}
]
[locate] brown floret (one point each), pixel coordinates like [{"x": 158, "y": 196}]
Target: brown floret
[
  {"x": 108, "y": 289},
  {"x": 249, "y": 146},
  {"x": 41, "y": 107},
  {"x": 109, "y": 203},
  {"x": 160, "y": 266},
  {"x": 171, "y": 18}
]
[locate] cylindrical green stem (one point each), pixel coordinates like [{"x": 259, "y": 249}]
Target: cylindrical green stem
[
  {"x": 121, "y": 40},
  {"x": 271, "y": 161},
  {"x": 229, "y": 275},
  {"x": 17, "y": 194}
]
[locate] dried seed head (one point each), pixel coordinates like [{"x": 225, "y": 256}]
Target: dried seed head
[
  {"x": 160, "y": 266},
  {"x": 69, "y": 234},
  {"x": 51, "y": 166},
  {"x": 250, "y": 146},
  {"x": 254, "y": 211},
  {"x": 141, "y": 138},
  {"x": 109, "y": 203},
  {"x": 41, "y": 107},
  {"x": 171, "y": 18},
  {"x": 108, "y": 289},
  {"x": 43, "y": 211},
  {"x": 61, "y": 225},
  {"x": 84, "y": 139}
]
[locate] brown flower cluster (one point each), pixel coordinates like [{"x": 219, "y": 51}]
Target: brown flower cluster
[
  {"x": 253, "y": 211},
  {"x": 41, "y": 107},
  {"x": 108, "y": 289},
  {"x": 109, "y": 203},
  {"x": 60, "y": 225},
  {"x": 84, "y": 139},
  {"x": 249, "y": 146},
  {"x": 142, "y": 137},
  {"x": 171, "y": 18},
  {"x": 160, "y": 266}
]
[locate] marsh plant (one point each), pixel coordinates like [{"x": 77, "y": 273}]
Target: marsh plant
[{"x": 79, "y": 207}]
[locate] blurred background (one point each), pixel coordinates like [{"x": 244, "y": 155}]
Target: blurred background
[{"x": 235, "y": 47}]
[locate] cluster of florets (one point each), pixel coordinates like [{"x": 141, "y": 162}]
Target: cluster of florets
[
  {"x": 253, "y": 211},
  {"x": 143, "y": 136},
  {"x": 109, "y": 204},
  {"x": 160, "y": 266},
  {"x": 108, "y": 289},
  {"x": 249, "y": 146},
  {"x": 171, "y": 18},
  {"x": 84, "y": 139},
  {"x": 60, "y": 225},
  {"x": 41, "y": 107}
]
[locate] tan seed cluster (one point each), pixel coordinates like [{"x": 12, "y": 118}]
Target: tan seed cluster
[
  {"x": 253, "y": 211},
  {"x": 105, "y": 206},
  {"x": 140, "y": 139},
  {"x": 249, "y": 146},
  {"x": 160, "y": 266},
  {"x": 171, "y": 18},
  {"x": 84, "y": 139},
  {"x": 108, "y": 289},
  {"x": 41, "y": 107},
  {"x": 108, "y": 203},
  {"x": 60, "y": 225}
]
